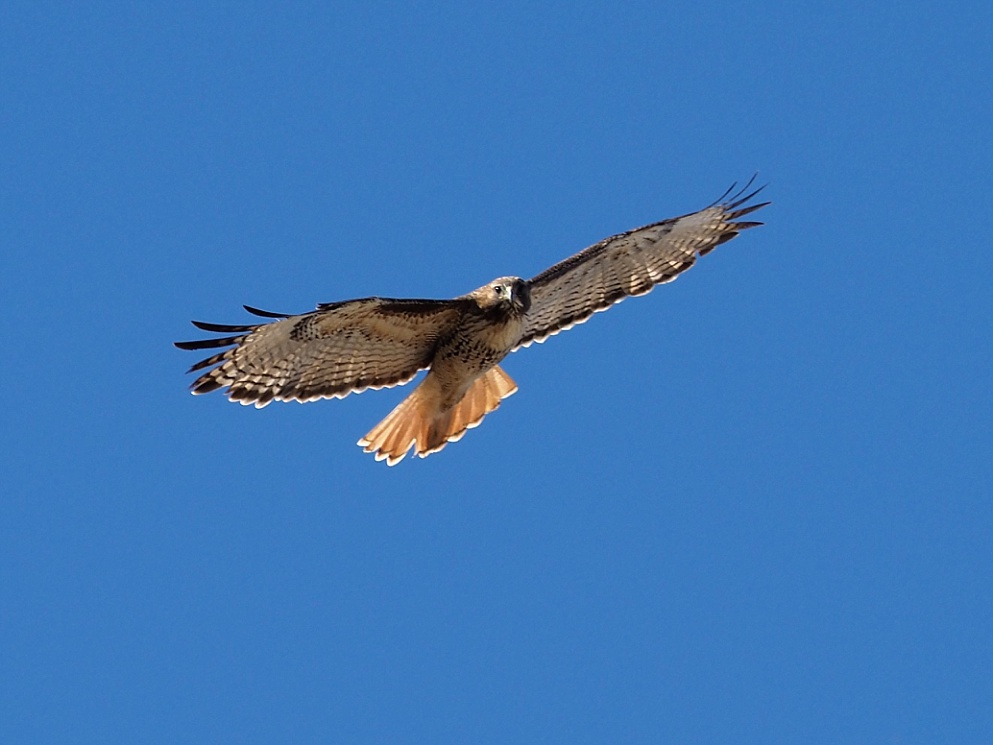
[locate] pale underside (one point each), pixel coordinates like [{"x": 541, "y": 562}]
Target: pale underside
[{"x": 351, "y": 346}]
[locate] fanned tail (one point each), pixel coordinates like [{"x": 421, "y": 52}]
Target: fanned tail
[
  {"x": 391, "y": 438},
  {"x": 483, "y": 397},
  {"x": 416, "y": 422}
]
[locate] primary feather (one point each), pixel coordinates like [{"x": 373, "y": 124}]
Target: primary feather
[{"x": 347, "y": 347}]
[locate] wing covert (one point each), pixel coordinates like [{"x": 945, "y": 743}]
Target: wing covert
[
  {"x": 630, "y": 264},
  {"x": 338, "y": 349}
]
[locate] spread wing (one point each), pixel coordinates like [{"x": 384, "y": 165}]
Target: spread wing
[
  {"x": 629, "y": 264},
  {"x": 338, "y": 349}
]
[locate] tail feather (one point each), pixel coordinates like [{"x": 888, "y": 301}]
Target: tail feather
[
  {"x": 392, "y": 437},
  {"x": 418, "y": 423}
]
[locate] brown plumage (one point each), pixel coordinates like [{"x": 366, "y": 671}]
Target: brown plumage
[{"x": 349, "y": 346}]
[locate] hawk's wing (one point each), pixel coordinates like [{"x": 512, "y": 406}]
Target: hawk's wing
[
  {"x": 338, "y": 349},
  {"x": 628, "y": 264}
]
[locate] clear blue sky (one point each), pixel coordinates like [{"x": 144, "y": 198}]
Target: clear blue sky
[{"x": 752, "y": 507}]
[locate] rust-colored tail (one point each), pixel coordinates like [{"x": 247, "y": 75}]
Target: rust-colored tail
[{"x": 417, "y": 422}]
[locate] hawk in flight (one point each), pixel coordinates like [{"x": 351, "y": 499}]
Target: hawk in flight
[{"x": 347, "y": 347}]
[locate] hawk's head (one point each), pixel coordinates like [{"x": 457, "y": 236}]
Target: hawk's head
[{"x": 507, "y": 294}]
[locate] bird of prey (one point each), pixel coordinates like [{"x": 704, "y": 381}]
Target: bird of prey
[{"x": 347, "y": 347}]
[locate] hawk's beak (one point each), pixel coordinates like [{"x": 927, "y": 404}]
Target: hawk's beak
[{"x": 521, "y": 296}]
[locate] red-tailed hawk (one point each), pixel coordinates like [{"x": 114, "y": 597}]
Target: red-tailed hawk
[{"x": 349, "y": 346}]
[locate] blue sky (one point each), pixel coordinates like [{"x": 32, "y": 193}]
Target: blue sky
[{"x": 754, "y": 506}]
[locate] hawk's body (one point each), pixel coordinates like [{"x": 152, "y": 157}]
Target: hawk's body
[{"x": 346, "y": 347}]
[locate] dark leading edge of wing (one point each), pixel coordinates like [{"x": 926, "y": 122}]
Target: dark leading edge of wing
[
  {"x": 338, "y": 348},
  {"x": 731, "y": 213},
  {"x": 568, "y": 293},
  {"x": 632, "y": 263}
]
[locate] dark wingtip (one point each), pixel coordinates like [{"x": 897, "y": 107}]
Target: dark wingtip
[
  {"x": 223, "y": 328},
  {"x": 735, "y": 214},
  {"x": 723, "y": 197},
  {"x": 224, "y": 341},
  {"x": 747, "y": 225},
  {"x": 204, "y": 385},
  {"x": 264, "y": 313},
  {"x": 734, "y": 197}
]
